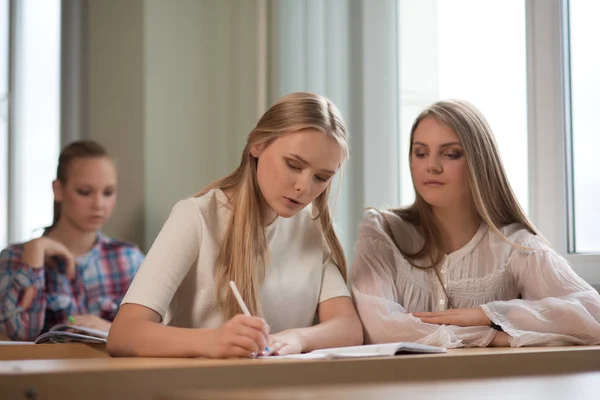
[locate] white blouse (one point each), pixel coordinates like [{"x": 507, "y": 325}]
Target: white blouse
[
  {"x": 177, "y": 277},
  {"x": 557, "y": 307}
]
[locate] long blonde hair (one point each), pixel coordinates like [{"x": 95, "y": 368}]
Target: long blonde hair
[
  {"x": 244, "y": 253},
  {"x": 494, "y": 200}
]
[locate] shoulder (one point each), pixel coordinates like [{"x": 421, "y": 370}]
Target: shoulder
[
  {"x": 384, "y": 223},
  {"x": 208, "y": 207},
  {"x": 518, "y": 234},
  {"x": 518, "y": 244},
  {"x": 12, "y": 251},
  {"x": 114, "y": 245},
  {"x": 109, "y": 243}
]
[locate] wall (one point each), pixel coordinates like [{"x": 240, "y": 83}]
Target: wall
[
  {"x": 115, "y": 103},
  {"x": 201, "y": 86},
  {"x": 173, "y": 90}
]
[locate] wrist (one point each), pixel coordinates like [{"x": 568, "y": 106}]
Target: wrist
[
  {"x": 203, "y": 342},
  {"x": 301, "y": 339},
  {"x": 33, "y": 253}
]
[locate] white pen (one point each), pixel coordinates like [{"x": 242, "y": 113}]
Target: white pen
[{"x": 238, "y": 297}]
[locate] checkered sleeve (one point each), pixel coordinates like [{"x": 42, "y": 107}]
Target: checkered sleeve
[
  {"x": 129, "y": 259},
  {"x": 15, "y": 277}
]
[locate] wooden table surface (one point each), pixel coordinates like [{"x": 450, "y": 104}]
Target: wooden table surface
[
  {"x": 580, "y": 386},
  {"x": 52, "y": 351},
  {"x": 145, "y": 378}
]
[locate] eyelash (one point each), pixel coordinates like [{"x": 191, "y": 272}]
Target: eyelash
[
  {"x": 450, "y": 155},
  {"x": 87, "y": 193},
  {"x": 294, "y": 168}
]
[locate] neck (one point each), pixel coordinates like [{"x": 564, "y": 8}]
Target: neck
[
  {"x": 77, "y": 241},
  {"x": 457, "y": 226},
  {"x": 269, "y": 215}
]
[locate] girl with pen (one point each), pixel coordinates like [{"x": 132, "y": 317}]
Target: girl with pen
[
  {"x": 464, "y": 266},
  {"x": 267, "y": 227},
  {"x": 73, "y": 273}
]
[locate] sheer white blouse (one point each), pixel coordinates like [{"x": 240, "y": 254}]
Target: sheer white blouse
[{"x": 556, "y": 307}]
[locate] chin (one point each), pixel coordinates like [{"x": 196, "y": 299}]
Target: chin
[
  {"x": 435, "y": 201},
  {"x": 286, "y": 213},
  {"x": 91, "y": 227}
]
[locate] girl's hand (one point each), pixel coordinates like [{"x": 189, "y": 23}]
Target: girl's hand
[
  {"x": 41, "y": 251},
  {"x": 286, "y": 342},
  {"x": 458, "y": 317},
  {"x": 241, "y": 336},
  {"x": 91, "y": 321}
]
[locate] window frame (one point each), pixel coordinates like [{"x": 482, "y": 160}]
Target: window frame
[{"x": 550, "y": 152}]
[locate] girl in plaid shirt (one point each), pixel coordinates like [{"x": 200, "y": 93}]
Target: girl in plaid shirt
[{"x": 73, "y": 272}]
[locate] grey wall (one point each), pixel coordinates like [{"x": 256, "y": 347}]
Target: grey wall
[
  {"x": 115, "y": 103},
  {"x": 173, "y": 90}
]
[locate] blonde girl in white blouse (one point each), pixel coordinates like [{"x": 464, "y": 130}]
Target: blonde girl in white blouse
[
  {"x": 464, "y": 266},
  {"x": 268, "y": 228}
]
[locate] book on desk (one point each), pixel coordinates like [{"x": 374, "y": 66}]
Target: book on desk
[
  {"x": 64, "y": 333},
  {"x": 368, "y": 350}
]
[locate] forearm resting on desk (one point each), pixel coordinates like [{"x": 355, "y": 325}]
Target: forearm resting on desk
[
  {"x": 137, "y": 332},
  {"x": 339, "y": 327}
]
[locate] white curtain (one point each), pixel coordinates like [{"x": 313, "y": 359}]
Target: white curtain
[{"x": 345, "y": 50}]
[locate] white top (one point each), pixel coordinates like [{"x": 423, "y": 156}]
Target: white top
[
  {"x": 557, "y": 306},
  {"x": 177, "y": 277}
]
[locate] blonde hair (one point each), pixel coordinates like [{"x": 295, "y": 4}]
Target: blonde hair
[
  {"x": 494, "y": 200},
  {"x": 244, "y": 253}
]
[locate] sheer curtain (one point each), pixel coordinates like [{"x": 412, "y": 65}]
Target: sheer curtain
[{"x": 345, "y": 50}]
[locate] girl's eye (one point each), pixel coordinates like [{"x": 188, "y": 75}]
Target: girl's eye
[
  {"x": 453, "y": 154},
  {"x": 83, "y": 192},
  {"x": 293, "y": 166},
  {"x": 109, "y": 193},
  {"x": 321, "y": 179},
  {"x": 419, "y": 155}
]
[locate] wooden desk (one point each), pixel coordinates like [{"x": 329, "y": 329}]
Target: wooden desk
[
  {"x": 584, "y": 385},
  {"x": 52, "y": 351},
  {"x": 143, "y": 378}
]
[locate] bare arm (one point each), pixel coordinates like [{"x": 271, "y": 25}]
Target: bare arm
[
  {"x": 339, "y": 327},
  {"x": 137, "y": 332}
]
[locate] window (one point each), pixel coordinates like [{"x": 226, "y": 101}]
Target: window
[
  {"x": 4, "y": 50},
  {"x": 462, "y": 49},
  {"x": 530, "y": 66},
  {"x": 34, "y": 114},
  {"x": 583, "y": 85}
]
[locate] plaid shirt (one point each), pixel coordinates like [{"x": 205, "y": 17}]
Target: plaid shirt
[{"x": 102, "y": 279}]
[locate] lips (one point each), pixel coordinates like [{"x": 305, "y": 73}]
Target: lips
[
  {"x": 433, "y": 183},
  {"x": 293, "y": 201}
]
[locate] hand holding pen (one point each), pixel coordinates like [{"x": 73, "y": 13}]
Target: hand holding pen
[{"x": 241, "y": 336}]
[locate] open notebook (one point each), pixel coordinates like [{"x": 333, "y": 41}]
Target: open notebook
[
  {"x": 369, "y": 350},
  {"x": 72, "y": 334}
]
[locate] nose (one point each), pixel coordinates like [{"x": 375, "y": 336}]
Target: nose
[
  {"x": 98, "y": 202},
  {"x": 434, "y": 165},
  {"x": 302, "y": 184}
]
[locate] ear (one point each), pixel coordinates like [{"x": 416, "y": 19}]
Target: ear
[
  {"x": 257, "y": 149},
  {"x": 57, "y": 189}
]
